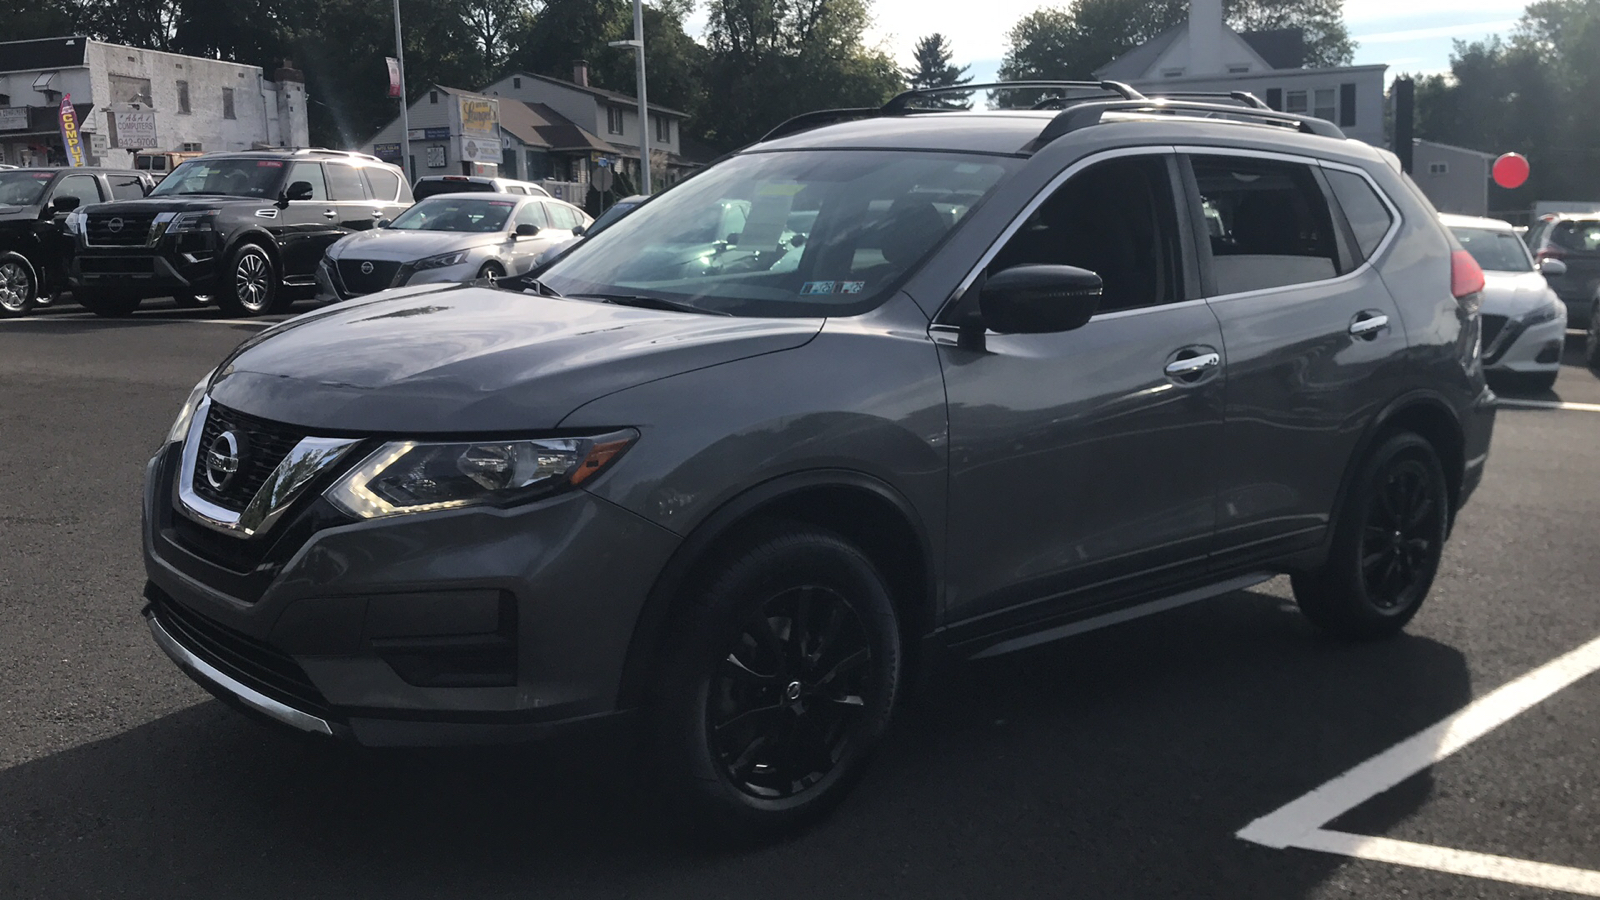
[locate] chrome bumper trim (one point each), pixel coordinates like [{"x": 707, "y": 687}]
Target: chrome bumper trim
[{"x": 288, "y": 715}]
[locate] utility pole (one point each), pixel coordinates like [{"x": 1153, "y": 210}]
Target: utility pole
[
  {"x": 637, "y": 44},
  {"x": 405, "y": 109}
]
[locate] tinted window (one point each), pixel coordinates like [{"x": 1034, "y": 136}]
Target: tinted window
[
  {"x": 234, "y": 177},
  {"x": 310, "y": 172},
  {"x": 1268, "y": 223},
  {"x": 1583, "y": 236},
  {"x": 23, "y": 188},
  {"x": 1116, "y": 219},
  {"x": 1369, "y": 218},
  {"x": 83, "y": 187},
  {"x": 381, "y": 183},
  {"x": 427, "y": 189},
  {"x": 1497, "y": 251},
  {"x": 126, "y": 187},
  {"x": 345, "y": 182},
  {"x": 532, "y": 214}
]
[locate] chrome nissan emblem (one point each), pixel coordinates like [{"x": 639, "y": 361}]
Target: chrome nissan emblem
[
  {"x": 366, "y": 268},
  {"x": 115, "y": 224},
  {"x": 222, "y": 459}
]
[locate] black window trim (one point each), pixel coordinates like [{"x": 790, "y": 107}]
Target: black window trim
[{"x": 1396, "y": 220}]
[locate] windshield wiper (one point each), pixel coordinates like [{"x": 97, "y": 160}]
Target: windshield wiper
[{"x": 643, "y": 302}]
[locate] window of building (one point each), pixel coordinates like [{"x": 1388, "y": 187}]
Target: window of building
[
  {"x": 1116, "y": 219},
  {"x": 191, "y": 147},
  {"x": 344, "y": 182},
  {"x": 1347, "y": 105},
  {"x": 508, "y": 163},
  {"x": 516, "y": 82},
  {"x": 1238, "y": 70},
  {"x": 433, "y": 96},
  {"x": 1369, "y": 217},
  {"x": 1438, "y": 168},
  {"x": 613, "y": 120},
  {"x": 1269, "y": 223},
  {"x": 183, "y": 98},
  {"x": 1295, "y": 102},
  {"x": 127, "y": 90},
  {"x": 538, "y": 165},
  {"x": 227, "y": 103},
  {"x": 663, "y": 130},
  {"x": 312, "y": 173},
  {"x": 382, "y": 184},
  {"x": 125, "y": 188},
  {"x": 1325, "y": 107}
]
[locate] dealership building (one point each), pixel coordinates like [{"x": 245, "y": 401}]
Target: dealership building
[{"x": 129, "y": 99}]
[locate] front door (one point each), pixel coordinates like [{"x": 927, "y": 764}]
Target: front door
[
  {"x": 307, "y": 227},
  {"x": 1081, "y": 463},
  {"x": 1315, "y": 344},
  {"x": 54, "y": 243}
]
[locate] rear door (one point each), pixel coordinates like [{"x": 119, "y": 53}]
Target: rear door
[
  {"x": 1314, "y": 344},
  {"x": 384, "y": 188},
  {"x": 348, "y": 191}
]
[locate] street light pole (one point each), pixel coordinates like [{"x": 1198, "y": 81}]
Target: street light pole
[
  {"x": 637, "y": 44},
  {"x": 405, "y": 109}
]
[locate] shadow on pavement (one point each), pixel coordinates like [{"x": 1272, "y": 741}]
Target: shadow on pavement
[{"x": 1114, "y": 765}]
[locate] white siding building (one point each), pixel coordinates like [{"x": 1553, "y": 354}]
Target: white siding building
[{"x": 175, "y": 102}]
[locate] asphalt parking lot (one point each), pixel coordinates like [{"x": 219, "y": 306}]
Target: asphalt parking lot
[{"x": 1118, "y": 764}]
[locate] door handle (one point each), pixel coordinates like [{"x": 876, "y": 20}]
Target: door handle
[
  {"x": 330, "y": 214},
  {"x": 1192, "y": 366},
  {"x": 1367, "y": 325}
]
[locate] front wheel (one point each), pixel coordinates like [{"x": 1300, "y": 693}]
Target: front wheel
[
  {"x": 491, "y": 272},
  {"x": 250, "y": 284},
  {"x": 778, "y": 683},
  {"x": 1386, "y": 545},
  {"x": 19, "y": 286}
]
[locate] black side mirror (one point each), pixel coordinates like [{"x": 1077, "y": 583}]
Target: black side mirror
[
  {"x": 300, "y": 190},
  {"x": 1039, "y": 299},
  {"x": 383, "y": 223},
  {"x": 527, "y": 230},
  {"x": 64, "y": 204},
  {"x": 579, "y": 230}
]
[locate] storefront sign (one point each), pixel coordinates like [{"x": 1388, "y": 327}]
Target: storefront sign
[
  {"x": 429, "y": 134},
  {"x": 14, "y": 118},
  {"x": 134, "y": 130},
  {"x": 71, "y": 141},
  {"x": 387, "y": 152},
  {"x": 480, "y": 150},
  {"x": 478, "y": 117}
]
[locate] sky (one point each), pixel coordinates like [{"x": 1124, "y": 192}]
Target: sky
[{"x": 1414, "y": 36}]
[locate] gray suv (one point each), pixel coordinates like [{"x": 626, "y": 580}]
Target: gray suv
[{"x": 963, "y": 383}]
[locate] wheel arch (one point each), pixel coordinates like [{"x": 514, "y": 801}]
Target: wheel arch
[
  {"x": 1430, "y": 416},
  {"x": 864, "y": 510},
  {"x": 259, "y": 237}
]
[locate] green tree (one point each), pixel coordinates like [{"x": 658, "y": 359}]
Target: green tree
[{"x": 932, "y": 67}]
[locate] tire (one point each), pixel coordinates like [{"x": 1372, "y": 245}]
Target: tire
[
  {"x": 107, "y": 304},
  {"x": 1386, "y": 545},
  {"x": 19, "y": 286},
  {"x": 1591, "y": 339},
  {"x": 190, "y": 300},
  {"x": 776, "y": 684},
  {"x": 492, "y": 271},
  {"x": 250, "y": 285}
]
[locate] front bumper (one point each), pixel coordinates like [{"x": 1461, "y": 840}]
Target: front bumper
[
  {"x": 331, "y": 286},
  {"x": 1524, "y": 348},
  {"x": 458, "y": 627},
  {"x": 186, "y": 262}
]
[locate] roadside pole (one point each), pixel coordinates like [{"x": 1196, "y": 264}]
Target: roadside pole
[
  {"x": 405, "y": 109},
  {"x": 637, "y": 44}
]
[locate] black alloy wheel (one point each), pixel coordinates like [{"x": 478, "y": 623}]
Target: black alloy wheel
[
  {"x": 785, "y": 700},
  {"x": 19, "y": 288},
  {"x": 1387, "y": 543}
]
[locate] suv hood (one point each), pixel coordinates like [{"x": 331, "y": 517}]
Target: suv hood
[
  {"x": 474, "y": 359},
  {"x": 1513, "y": 294},
  {"x": 406, "y": 246}
]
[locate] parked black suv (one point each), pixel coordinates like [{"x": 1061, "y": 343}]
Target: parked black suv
[
  {"x": 964, "y": 383},
  {"x": 34, "y": 204},
  {"x": 247, "y": 228}
]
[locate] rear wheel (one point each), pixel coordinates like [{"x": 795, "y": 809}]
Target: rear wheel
[
  {"x": 1386, "y": 546},
  {"x": 19, "y": 286},
  {"x": 250, "y": 284},
  {"x": 106, "y": 303}
]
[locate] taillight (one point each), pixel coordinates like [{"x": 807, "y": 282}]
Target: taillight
[{"x": 1466, "y": 277}]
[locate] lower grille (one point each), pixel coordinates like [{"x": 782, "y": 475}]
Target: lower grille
[
  {"x": 248, "y": 661},
  {"x": 1491, "y": 330},
  {"x": 265, "y": 445},
  {"x": 117, "y": 265},
  {"x": 357, "y": 281}
]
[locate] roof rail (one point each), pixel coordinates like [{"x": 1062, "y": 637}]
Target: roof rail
[
  {"x": 298, "y": 151},
  {"x": 819, "y": 118},
  {"x": 1243, "y": 97},
  {"x": 1084, "y": 115}
]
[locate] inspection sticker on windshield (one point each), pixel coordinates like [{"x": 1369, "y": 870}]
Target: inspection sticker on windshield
[
  {"x": 816, "y": 287},
  {"x": 851, "y": 287}
]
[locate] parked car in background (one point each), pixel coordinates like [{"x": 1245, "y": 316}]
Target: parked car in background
[
  {"x": 1524, "y": 322},
  {"x": 433, "y": 185},
  {"x": 246, "y": 228},
  {"x": 601, "y": 222},
  {"x": 1567, "y": 248},
  {"x": 35, "y": 249},
  {"x": 448, "y": 239},
  {"x": 160, "y": 162}
]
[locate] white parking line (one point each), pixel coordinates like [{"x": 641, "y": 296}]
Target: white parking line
[
  {"x": 1299, "y": 822},
  {"x": 1548, "y": 404},
  {"x": 139, "y": 320}
]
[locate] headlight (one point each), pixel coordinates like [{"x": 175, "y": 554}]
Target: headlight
[
  {"x": 180, "y": 426},
  {"x": 76, "y": 220},
  {"x": 442, "y": 260},
  {"x": 185, "y": 222},
  {"x": 1555, "y": 309},
  {"x": 410, "y": 476}
]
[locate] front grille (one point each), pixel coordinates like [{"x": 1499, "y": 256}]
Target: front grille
[
  {"x": 358, "y": 282},
  {"x": 1491, "y": 330},
  {"x": 119, "y": 229},
  {"x": 117, "y": 265},
  {"x": 250, "y": 662},
  {"x": 265, "y": 445}
]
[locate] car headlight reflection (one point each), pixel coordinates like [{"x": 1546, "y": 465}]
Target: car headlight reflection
[
  {"x": 1547, "y": 313},
  {"x": 413, "y": 476},
  {"x": 442, "y": 260}
]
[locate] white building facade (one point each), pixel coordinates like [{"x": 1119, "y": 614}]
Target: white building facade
[{"x": 130, "y": 99}]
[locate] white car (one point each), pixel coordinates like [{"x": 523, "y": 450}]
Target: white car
[
  {"x": 451, "y": 238},
  {"x": 1524, "y": 322}
]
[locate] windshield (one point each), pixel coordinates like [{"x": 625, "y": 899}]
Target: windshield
[
  {"x": 1495, "y": 251},
  {"x": 798, "y": 233},
  {"x": 233, "y": 177},
  {"x": 23, "y": 188},
  {"x": 456, "y": 214}
]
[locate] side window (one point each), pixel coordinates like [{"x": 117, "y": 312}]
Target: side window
[
  {"x": 1116, "y": 219},
  {"x": 532, "y": 214},
  {"x": 1269, "y": 223},
  {"x": 81, "y": 186},
  {"x": 1370, "y": 220},
  {"x": 312, "y": 172},
  {"x": 344, "y": 182},
  {"x": 126, "y": 187},
  {"x": 562, "y": 216},
  {"x": 382, "y": 184}
]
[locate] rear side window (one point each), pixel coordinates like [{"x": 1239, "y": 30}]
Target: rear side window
[
  {"x": 382, "y": 184},
  {"x": 1369, "y": 218},
  {"x": 345, "y": 182},
  {"x": 1268, "y": 223},
  {"x": 126, "y": 187}
]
